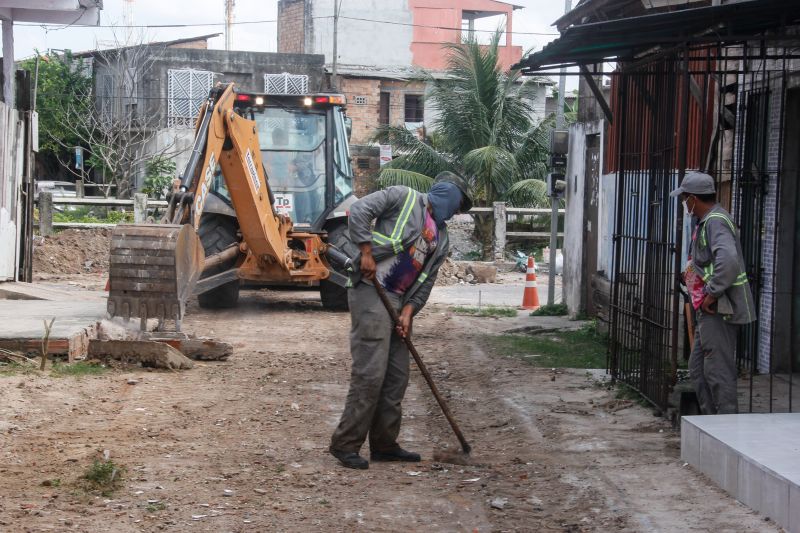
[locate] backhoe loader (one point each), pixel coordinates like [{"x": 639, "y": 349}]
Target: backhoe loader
[{"x": 225, "y": 224}]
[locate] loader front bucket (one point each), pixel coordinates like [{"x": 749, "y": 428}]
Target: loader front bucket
[{"x": 153, "y": 270}]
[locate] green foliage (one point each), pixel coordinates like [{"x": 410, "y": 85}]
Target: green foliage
[
  {"x": 81, "y": 368},
  {"x": 159, "y": 173},
  {"x": 156, "y": 507},
  {"x": 62, "y": 83},
  {"x": 15, "y": 369},
  {"x": 91, "y": 215},
  {"x": 582, "y": 348},
  {"x": 483, "y": 131},
  {"x": 103, "y": 476},
  {"x": 551, "y": 310},
  {"x": 488, "y": 311}
]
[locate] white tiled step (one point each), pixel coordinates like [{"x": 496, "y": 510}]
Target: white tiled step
[{"x": 754, "y": 457}]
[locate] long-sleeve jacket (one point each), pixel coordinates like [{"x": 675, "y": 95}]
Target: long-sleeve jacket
[
  {"x": 399, "y": 216},
  {"x": 718, "y": 254}
]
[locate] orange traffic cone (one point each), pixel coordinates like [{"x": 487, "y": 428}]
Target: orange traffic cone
[{"x": 530, "y": 298}]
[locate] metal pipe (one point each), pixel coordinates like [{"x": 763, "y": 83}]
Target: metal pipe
[{"x": 217, "y": 259}]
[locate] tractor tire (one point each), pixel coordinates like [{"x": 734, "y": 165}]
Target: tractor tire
[
  {"x": 218, "y": 232},
  {"x": 333, "y": 296}
]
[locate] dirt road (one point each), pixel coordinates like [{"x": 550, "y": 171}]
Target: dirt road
[{"x": 241, "y": 445}]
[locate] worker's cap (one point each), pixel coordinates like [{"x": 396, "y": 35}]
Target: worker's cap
[
  {"x": 695, "y": 183},
  {"x": 458, "y": 181}
]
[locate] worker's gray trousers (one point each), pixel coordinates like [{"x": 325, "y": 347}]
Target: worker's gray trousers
[
  {"x": 712, "y": 365},
  {"x": 378, "y": 378}
]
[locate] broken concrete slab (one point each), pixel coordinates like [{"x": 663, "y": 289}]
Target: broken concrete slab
[
  {"x": 199, "y": 349},
  {"x": 147, "y": 353}
]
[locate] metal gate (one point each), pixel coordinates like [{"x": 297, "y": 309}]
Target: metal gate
[
  {"x": 643, "y": 318},
  {"x": 720, "y": 110}
]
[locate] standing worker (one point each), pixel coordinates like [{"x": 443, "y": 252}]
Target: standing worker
[
  {"x": 403, "y": 253},
  {"x": 717, "y": 281}
]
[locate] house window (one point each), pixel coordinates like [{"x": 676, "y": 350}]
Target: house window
[
  {"x": 363, "y": 163},
  {"x": 361, "y": 100},
  {"x": 415, "y": 108},
  {"x": 383, "y": 113},
  {"x": 186, "y": 91}
]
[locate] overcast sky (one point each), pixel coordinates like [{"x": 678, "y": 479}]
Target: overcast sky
[{"x": 537, "y": 16}]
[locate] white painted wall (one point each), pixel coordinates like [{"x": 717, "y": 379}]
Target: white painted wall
[
  {"x": 573, "y": 219},
  {"x": 360, "y": 42}
]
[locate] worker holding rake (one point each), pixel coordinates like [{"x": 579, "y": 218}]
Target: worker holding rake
[{"x": 402, "y": 253}]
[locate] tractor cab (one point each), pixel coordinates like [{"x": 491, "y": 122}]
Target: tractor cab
[{"x": 304, "y": 148}]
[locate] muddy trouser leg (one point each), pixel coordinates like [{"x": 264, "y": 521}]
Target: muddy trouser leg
[
  {"x": 712, "y": 365},
  {"x": 370, "y": 339},
  {"x": 386, "y": 421}
]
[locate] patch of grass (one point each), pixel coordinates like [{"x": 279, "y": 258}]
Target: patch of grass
[
  {"x": 104, "y": 477},
  {"x": 489, "y": 310},
  {"x": 15, "y": 369},
  {"x": 81, "y": 368},
  {"x": 582, "y": 348},
  {"x": 156, "y": 507},
  {"x": 551, "y": 310},
  {"x": 625, "y": 392}
]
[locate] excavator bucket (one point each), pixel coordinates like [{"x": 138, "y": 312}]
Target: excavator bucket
[{"x": 153, "y": 270}]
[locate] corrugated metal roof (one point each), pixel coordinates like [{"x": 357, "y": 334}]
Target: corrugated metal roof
[{"x": 625, "y": 39}]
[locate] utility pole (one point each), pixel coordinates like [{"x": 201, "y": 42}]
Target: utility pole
[
  {"x": 229, "y": 5},
  {"x": 551, "y": 278},
  {"x": 337, "y": 7}
]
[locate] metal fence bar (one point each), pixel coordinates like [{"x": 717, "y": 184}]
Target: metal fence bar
[{"x": 106, "y": 202}]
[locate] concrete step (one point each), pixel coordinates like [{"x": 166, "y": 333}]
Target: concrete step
[{"x": 754, "y": 457}]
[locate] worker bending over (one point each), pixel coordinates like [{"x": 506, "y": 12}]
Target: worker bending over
[
  {"x": 403, "y": 253},
  {"x": 717, "y": 281}
]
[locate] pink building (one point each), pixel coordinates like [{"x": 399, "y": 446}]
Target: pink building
[
  {"x": 426, "y": 43},
  {"x": 388, "y": 33}
]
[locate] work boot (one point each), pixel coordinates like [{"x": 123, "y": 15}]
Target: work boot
[
  {"x": 350, "y": 459},
  {"x": 396, "y": 454}
]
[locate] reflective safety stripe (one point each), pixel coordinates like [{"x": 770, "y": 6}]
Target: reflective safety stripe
[
  {"x": 422, "y": 277},
  {"x": 715, "y": 215},
  {"x": 530, "y": 284},
  {"x": 396, "y": 240}
]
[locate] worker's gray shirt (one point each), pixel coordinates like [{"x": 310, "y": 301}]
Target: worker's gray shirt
[
  {"x": 399, "y": 215},
  {"x": 717, "y": 253}
]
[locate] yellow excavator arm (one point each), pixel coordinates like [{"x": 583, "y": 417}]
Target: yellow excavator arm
[{"x": 154, "y": 268}]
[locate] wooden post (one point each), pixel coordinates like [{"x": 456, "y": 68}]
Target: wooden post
[
  {"x": 45, "y": 214},
  {"x": 139, "y": 208},
  {"x": 499, "y": 231}
]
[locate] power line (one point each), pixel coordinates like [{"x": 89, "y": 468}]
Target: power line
[
  {"x": 238, "y": 23},
  {"x": 145, "y": 26},
  {"x": 394, "y": 23}
]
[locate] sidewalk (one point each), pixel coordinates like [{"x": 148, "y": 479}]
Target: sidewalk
[{"x": 25, "y": 307}]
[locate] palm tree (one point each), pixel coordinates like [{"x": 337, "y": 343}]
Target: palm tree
[{"x": 483, "y": 131}]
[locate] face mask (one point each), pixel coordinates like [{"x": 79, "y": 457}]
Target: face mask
[{"x": 686, "y": 208}]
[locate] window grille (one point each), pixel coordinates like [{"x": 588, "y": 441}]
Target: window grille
[
  {"x": 285, "y": 83},
  {"x": 187, "y": 90},
  {"x": 361, "y": 100}
]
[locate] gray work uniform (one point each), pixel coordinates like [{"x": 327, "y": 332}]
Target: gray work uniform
[
  {"x": 717, "y": 254},
  {"x": 380, "y": 370}
]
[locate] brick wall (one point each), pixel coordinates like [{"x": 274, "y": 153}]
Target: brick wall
[
  {"x": 366, "y": 167},
  {"x": 291, "y": 26},
  {"x": 365, "y": 115}
]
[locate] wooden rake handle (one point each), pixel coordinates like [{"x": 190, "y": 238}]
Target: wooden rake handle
[{"x": 422, "y": 368}]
